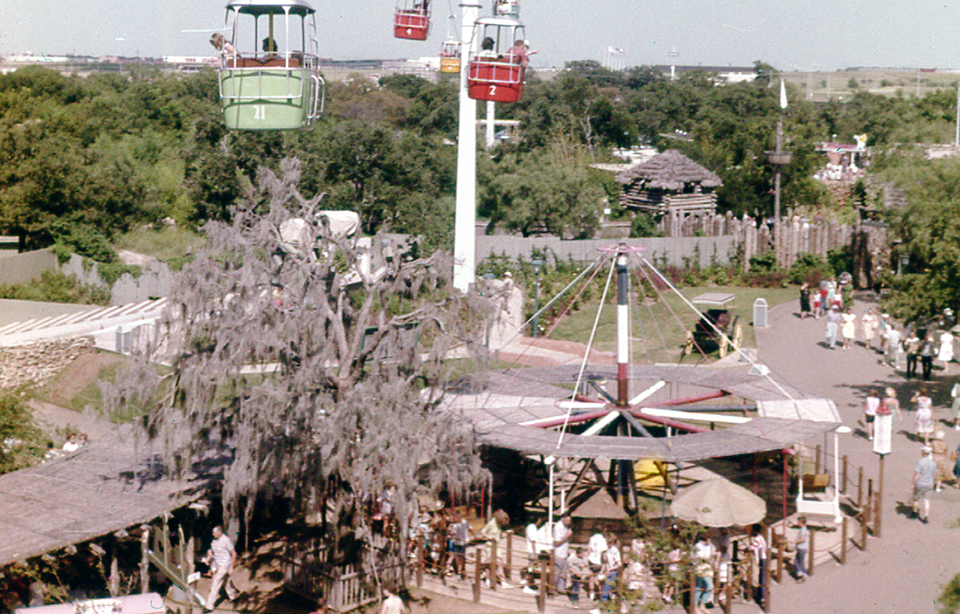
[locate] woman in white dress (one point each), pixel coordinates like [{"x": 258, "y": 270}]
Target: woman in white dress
[
  {"x": 848, "y": 328},
  {"x": 945, "y": 354}
]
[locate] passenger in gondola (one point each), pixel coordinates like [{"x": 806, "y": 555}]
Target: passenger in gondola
[
  {"x": 486, "y": 49},
  {"x": 421, "y": 7},
  {"x": 520, "y": 52},
  {"x": 222, "y": 45},
  {"x": 270, "y": 47}
]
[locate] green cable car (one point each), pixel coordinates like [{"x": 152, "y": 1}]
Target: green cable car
[{"x": 269, "y": 70}]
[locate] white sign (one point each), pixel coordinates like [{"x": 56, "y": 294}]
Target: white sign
[{"x": 882, "y": 433}]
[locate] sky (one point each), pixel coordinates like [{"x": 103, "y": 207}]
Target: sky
[{"x": 804, "y": 35}]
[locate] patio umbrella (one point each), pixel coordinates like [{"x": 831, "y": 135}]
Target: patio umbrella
[{"x": 718, "y": 503}]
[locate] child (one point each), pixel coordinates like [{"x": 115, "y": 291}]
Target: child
[
  {"x": 392, "y": 603},
  {"x": 579, "y": 570}
]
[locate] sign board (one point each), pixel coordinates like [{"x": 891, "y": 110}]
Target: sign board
[
  {"x": 882, "y": 432},
  {"x": 151, "y": 603}
]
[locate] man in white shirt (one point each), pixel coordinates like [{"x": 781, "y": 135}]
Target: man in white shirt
[
  {"x": 561, "y": 551},
  {"x": 596, "y": 548},
  {"x": 221, "y": 559}
]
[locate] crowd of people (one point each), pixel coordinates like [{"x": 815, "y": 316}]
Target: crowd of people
[
  {"x": 902, "y": 347},
  {"x": 601, "y": 570},
  {"x": 917, "y": 345}
]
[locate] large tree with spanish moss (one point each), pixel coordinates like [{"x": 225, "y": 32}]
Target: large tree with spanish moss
[{"x": 317, "y": 369}]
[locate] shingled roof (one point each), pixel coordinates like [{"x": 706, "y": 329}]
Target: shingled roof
[
  {"x": 670, "y": 170},
  {"x": 105, "y": 487}
]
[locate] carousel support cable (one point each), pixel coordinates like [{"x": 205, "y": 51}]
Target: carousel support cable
[
  {"x": 716, "y": 329},
  {"x": 586, "y": 355}
]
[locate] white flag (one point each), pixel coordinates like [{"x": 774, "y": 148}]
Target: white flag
[{"x": 783, "y": 95}]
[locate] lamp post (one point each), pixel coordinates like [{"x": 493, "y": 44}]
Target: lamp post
[{"x": 537, "y": 263}]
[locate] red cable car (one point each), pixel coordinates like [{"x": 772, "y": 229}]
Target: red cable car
[
  {"x": 496, "y": 69},
  {"x": 412, "y": 19}
]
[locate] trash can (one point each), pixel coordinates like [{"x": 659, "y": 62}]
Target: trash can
[{"x": 760, "y": 313}]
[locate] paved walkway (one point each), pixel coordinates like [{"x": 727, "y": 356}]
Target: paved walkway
[{"x": 905, "y": 569}]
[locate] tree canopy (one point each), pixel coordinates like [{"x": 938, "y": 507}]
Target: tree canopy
[{"x": 311, "y": 367}]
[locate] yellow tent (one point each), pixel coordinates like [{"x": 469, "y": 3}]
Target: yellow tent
[{"x": 650, "y": 473}]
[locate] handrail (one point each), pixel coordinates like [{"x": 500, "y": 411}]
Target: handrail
[{"x": 319, "y": 97}]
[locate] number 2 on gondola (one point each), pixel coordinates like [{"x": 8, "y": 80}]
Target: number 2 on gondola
[{"x": 259, "y": 112}]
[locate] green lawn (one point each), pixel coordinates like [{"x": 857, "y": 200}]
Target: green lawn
[
  {"x": 658, "y": 329},
  {"x": 169, "y": 243}
]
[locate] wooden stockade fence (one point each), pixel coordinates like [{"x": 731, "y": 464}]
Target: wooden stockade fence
[{"x": 797, "y": 235}]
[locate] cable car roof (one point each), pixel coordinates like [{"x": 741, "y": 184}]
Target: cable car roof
[{"x": 264, "y": 7}]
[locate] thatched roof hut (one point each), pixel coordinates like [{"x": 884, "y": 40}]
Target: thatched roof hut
[
  {"x": 670, "y": 171},
  {"x": 670, "y": 183}
]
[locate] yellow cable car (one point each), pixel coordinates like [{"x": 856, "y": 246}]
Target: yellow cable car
[
  {"x": 450, "y": 56},
  {"x": 269, "y": 69}
]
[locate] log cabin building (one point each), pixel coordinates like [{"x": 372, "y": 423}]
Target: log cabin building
[{"x": 673, "y": 188}]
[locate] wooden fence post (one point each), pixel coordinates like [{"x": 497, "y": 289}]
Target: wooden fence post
[
  {"x": 548, "y": 578},
  {"x": 508, "y": 564},
  {"x": 843, "y": 542},
  {"x": 692, "y": 590},
  {"x": 860, "y": 489},
  {"x": 877, "y": 501},
  {"x": 780, "y": 549},
  {"x": 420, "y": 562},
  {"x": 728, "y": 589},
  {"x": 864, "y": 522},
  {"x": 477, "y": 572},
  {"x": 811, "y": 553},
  {"x": 542, "y": 593},
  {"x": 816, "y": 462},
  {"x": 494, "y": 574},
  {"x": 765, "y": 601}
]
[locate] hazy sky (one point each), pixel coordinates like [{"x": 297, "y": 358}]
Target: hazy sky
[{"x": 802, "y": 34}]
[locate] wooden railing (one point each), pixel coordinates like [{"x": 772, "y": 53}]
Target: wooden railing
[{"x": 308, "y": 572}]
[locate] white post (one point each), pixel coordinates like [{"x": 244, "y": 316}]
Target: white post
[
  {"x": 491, "y": 113},
  {"x": 838, "y": 517},
  {"x": 464, "y": 236}
]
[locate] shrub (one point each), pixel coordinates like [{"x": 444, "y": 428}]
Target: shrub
[
  {"x": 644, "y": 225},
  {"x": 55, "y": 287},
  {"x": 808, "y": 268},
  {"x": 764, "y": 262}
]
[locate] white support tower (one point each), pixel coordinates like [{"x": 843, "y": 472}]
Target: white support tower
[{"x": 464, "y": 236}]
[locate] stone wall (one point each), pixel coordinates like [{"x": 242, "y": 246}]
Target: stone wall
[{"x": 37, "y": 363}]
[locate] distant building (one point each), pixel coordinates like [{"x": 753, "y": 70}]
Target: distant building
[
  {"x": 724, "y": 74},
  {"x": 671, "y": 186}
]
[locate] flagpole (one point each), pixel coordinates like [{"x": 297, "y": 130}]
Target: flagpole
[{"x": 776, "y": 185}]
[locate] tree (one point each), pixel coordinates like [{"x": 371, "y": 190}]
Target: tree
[
  {"x": 22, "y": 443},
  {"x": 350, "y": 365},
  {"x": 552, "y": 192}
]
